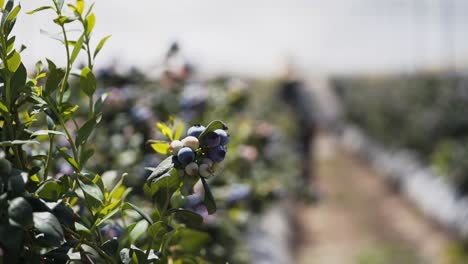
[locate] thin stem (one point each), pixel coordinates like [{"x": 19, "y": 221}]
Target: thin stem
[
  {"x": 49, "y": 156},
  {"x": 68, "y": 68}
]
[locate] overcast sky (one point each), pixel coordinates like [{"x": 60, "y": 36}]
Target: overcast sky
[{"x": 255, "y": 35}]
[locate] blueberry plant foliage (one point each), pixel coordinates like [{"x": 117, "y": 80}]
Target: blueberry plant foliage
[{"x": 80, "y": 216}]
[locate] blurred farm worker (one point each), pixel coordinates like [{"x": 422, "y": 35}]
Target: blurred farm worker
[{"x": 294, "y": 94}]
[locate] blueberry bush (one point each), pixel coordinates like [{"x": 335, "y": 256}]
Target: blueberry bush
[
  {"x": 54, "y": 207},
  {"x": 425, "y": 113}
]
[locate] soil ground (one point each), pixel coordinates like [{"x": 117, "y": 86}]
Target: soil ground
[{"x": 361, "y": 219}]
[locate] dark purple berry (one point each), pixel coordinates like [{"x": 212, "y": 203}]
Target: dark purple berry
[
  {"x": 186, "y": 155},
  {"x": 195, "y": 131},
  {"x": 217, "y": 154},
  {"x": 223, "y": 135},
  {"x": 210, "y": 140}
]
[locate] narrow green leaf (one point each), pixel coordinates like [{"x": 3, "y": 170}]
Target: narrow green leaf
[
  {"x": 90, "y": 22},
  {"x": 76, "y": 49},
  {"x": 47, "y": 132},
  {"x": 68, "y": 158},
  {"x": 85, "y": 155},
  {"x": 165, "y": 130},
  {"x": 14, "y": 13},
  {"x": 128, "y": 205},
  {"x": 14, "y": 61},
  {"x": 100, "y": 45},
  {"x": 217, "y": 124},
  {"x": 60, "y": 4},
  {"x": 85, "y": 131},
  {"x": 39, "y": 9},
  {"x": 178, "y": 130},
  {"x": 161, "y": 147},
  {"x": 3, "y": 107},
  {"x": 2, "y": 3},
  {"x": 17, "y": 142},
  {"x": 80, "y": 5}
]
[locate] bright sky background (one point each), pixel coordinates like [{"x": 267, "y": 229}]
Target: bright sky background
[{"x": 254, "y": 36}]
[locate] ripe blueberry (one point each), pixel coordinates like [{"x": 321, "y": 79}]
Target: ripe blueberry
[
  {"x": 185, "y": 155},
  {"x": 210, "y": 140},
  {"x": 195, "y": 130},
  {"x": 217, "y": 154},
  {"x": 223, "y": 135}
]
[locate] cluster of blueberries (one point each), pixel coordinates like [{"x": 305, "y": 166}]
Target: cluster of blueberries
[{"x": 200, "y": 155}]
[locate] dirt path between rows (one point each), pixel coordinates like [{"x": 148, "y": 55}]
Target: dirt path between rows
[{"x": 361, "y": 220}]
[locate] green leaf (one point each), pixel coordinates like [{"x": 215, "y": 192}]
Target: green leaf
[
  {"x": 87, "y": 82},
  {"x": 85, "y": 155},
  {"x": 2, "y": 3},
  {"x": 111, "y": 246},
  {"x": 93, "y": 194},
  {"x": 164, "y": 167},
  {"x": 178, "y": 130},
  {"x": 20, "y": 211},
  {"x": 90, "y": 21},
  {"x": 18, "y": 81},
  {"x": 100, "y": 45},
  {"x": 217, "y": 124},
  {"x": 14, "y": 61},
  {"x": 85, "y": 131},
  {"x": 165, "y": 130},
  {"x": 187, "y": 217},
  {"x": 47, "y": 132},
  {"x": 47, "y": 224},
  {"x": 10, "y": 44},
  {"x": 50, "y": 191},
  {"x": 100, "y": 102},
  {"x": 76, "y": 49},
  {"x": 161, "y": 147},
  {"x": 39, "y": 9},
  {"x": 54, "y": 78},
  {"x": 3, "y": 107},
  {"x": 68, "y": 158},
  {"x": 80, "y": 5},
  {"x": 208, "y": 200},
  {"x": 12, "y": 15},
  {"x": 17, "y": 142},
  {"x": 128, "y": 205},
  {"x": 60, "y": 4}
]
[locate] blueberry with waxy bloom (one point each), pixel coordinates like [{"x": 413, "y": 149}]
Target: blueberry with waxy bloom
[
  {"x": 191, "y": 142},
  {"x": 217, "y": 154},
  {"x": 195, "y": 131},
  {"x": 205, "y": 170},
  {"x": 175, "y": 146},
  {"x": 210, "y": 140},
  {"x": 223, "y": 135},
  {"x": 185, "y": 155},
  {"x": 191, "y": 169}
]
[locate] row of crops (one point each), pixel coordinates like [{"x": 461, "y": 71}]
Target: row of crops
[
  {"x": 107, "y": 167},
  {"x": 425, "y": 113}
]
